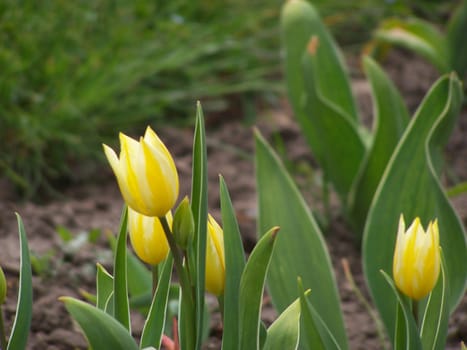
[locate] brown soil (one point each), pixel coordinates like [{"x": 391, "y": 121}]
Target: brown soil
[{"x": 96, "y": 205}]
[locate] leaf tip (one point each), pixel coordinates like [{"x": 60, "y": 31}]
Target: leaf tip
[{"x": 274, "y": 232}]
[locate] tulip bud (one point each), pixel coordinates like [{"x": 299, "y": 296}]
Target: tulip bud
[
  {"x": 147, "y": 237},
  {"x": 2, "y": 287},
  {"x": 215, "y": 261},
  {"x": 417, "y": 259},
  {"x": 183, "y": 226},
  {"x": 146, "y": 174}
]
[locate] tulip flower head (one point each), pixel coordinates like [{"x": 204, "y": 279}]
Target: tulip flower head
[
  {"x": 146, "y": 174},
  {"x": 147, "y": 237},
  {"x": 417, "y": 259},
  {"x": 215, "y": 261}
]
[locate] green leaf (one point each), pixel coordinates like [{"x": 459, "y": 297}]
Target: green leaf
[
  {"x": 199, "y": 207},
  {"x": 121, "y": 304},
  {"x": 284, "y": 332},
  {"x": 234, "y": 265},
  {"x": 20, "y": 330},
  {"x": 299, "y": 22},
  {"x": 320, "y": 94},
  {"x": 155, "y": 322},
  {"x": 410, "y": 185},
  {"x": 104, "y": 287},
  {"x": 406, "y": 336},
  {"x": 311, "y": 337},
  {"x": 300, "y": 250},
  {"x": 390, "y": 120},
  {"x": 457, "y": 50},
  {"x": 102, "y": 331},
  {"x": 251, "y": 291},
  {"x": 434, "y": 326},
  {"x": 416, "y": 35}
]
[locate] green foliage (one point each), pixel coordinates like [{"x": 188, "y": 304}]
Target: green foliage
[
  {"x": 300, "y": 248},
  {"x": 379, "y": 175},
  {"x": 155, "y": 323},
  {"x": 240, "y": 305},
  {"x": 234, "y": 266},
  {"x": 411, "y": 186},
  {"x": 446, "y": 51},
  {"x": 390, "y": 120},
  {"x": 405, "y": 332},
  {"x": 20, "y": 330},
  {"x": 251, "y": 290},
  {"x": 284, "y": 332},
  {"x": 75, "y": 73},
  {"x": 319, "y": 91},
  {"x": 102, "y": 330}
]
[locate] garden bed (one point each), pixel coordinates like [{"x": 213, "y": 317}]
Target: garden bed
[{"x": 67, "y": 268}]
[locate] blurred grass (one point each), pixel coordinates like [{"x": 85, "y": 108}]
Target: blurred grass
[{"x": 74, "y": 73}]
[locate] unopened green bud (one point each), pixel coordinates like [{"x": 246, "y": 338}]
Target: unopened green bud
[
  {"x": 183, "y": 226},
  {"x": 2, "y": 287}
]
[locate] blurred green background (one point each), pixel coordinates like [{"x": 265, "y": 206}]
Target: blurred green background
[{"x": 75, "y": 73}]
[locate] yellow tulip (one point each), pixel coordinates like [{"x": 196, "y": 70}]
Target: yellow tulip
[
  {"x": 416, "y": 262},
  {"x": 146, "y": 174},
  {"x": 215, "y": 261},
  {"x": 147, "y": 236}
]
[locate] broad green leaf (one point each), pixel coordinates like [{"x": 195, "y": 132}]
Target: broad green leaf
[
  {"x": 104, "y": 287},
  {"x": 121, "y": 304},
  {"x": 320, "y": 94},
  {"x": 20, "y": 330},
  {"x": 343, "y": 148},
  {"x": 457, "y": 49},
  {"x": 199, "y": 206},
  {"x": 406, "y": 336},
  {"x": 410, "y": 185},
  {"x": 251, "y": 291},
  {"x": 299, "y": 22},
  {"x": 301, "y": 250},
  {"x": 390, "y": 120},
  {"x": 310, "y": 334},
  {"x": 284, "y": 332},
  {"x": 434, "y": 326},
  {"x": 417, "y": 35},
  {"x": 155, "y": 322},
  {"x": 102, "y": 331},
  {"x": 234, "y": 265}
]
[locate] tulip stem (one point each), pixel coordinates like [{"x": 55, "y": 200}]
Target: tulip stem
[
  {"x": 178, "y": 260},
  {"x": 188, "y": 306},
  {"x": 3, "y": 342},
  {"x": 415, "y": 310}
]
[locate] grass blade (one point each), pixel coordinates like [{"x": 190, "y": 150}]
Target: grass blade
[
  {"x": 121, "y": 303},
  {"x": 251, "y": 290},
  {"x": 234, "y": 265},
  {"x": 199, "y": 206},
  {"x": 20, "y": 330},
  {"x": 154, "y": 325}
]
